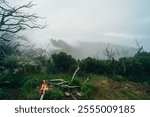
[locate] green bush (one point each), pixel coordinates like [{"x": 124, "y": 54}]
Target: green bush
[
  {"x": 30, "y": 89},
  {"x": 76, "y": 82},
  {"x": 63, "y": 62},
  {"x": 94, "y": 66},
  {"x": 88, "y": 90},
  {"x": 22, "y": 64},
  {"x": 15, "y": 80},
  {"x": 3, "y": 94},
  {"x": 54, "y": 93}
]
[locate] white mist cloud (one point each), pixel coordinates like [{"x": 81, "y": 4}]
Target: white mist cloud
[
  {"x": 111, "y": 21},
  {"x": 125, "y": 35}
]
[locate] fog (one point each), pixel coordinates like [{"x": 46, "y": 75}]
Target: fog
[
  {"x": 117, "y": 22},
  {"x": 92, "y": 49}
]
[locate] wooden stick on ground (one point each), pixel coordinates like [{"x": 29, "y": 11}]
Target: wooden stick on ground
[
  {"x": 43, "y": 94},
  {"x": 75, "y": 73}
]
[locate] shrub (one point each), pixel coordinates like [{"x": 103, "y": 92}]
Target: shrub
[
  {"x": 22, "y": 64},
  {"x": 3, "y": 94},
  {"x": 29, "y": 89},
  {"x": 63, "y": 62},
  {"x": 54, "y": 93},
  {"x": 88, "y": 90},
  {"x": 92, "y": 65}
]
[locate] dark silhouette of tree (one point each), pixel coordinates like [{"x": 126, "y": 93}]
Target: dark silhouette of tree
[
  {"x": 109, "y": 53},
  {"x": 139, "y": 47},
  {"x": 13, "y": 20},
  {"x": 121, "y": 53}
]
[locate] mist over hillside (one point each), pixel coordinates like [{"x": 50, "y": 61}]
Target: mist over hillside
[{"x": 91, "y": 49}]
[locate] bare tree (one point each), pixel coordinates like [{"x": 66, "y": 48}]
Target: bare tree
[
  {"x": 108, "y": 52},
  {"x": 13, "y": 19},
  {"x": 122, "y": 52},
  {"x": 139, "y": 47},
  {"x": 33, "y": 51}
]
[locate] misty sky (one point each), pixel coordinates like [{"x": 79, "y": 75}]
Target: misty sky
[{"x": 110, "y": 21}]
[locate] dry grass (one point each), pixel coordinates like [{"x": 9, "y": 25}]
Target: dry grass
[{"x": 112, "y": 90}]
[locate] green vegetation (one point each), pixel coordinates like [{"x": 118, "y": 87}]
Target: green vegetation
[{"x": 22, "y": 76}]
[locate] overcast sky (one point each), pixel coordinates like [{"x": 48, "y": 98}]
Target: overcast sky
[{"x": 111, "y": 21}]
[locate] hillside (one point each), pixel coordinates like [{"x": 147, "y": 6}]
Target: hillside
[{"x": 91, "y": 49}]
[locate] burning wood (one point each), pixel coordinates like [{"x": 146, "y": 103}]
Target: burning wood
[{"x": 43, "y": 89}]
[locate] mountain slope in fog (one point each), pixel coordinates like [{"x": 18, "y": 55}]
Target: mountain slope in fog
[{"x": 91, "y": 49}]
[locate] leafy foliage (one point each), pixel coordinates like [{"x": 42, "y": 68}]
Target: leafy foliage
[
  {"x": 63, "y": 62},
  {"x": 22, "y": 64},
  {"x": 97, "y": 78},
  {"x": 91, "y": 65}
]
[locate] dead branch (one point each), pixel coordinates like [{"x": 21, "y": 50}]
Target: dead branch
[
  {"x": 75, "y": 73},
  {"x": 108, "y": 52},
  {"x": 62, "y": 83},
  {"x": 73, "y": 97},
  {"x": 56, "y": 80},
  {"x": 86, "y": 80},
  {"x": 42, "y": 96},
  {"x": 69, "y": 87},
  {"x": 14, "y": 20},
  {"x": 122, "y": 52},
  {"x": 139, "y": 47}
]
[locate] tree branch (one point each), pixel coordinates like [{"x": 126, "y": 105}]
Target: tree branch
[{"x": 13, "y": 20}]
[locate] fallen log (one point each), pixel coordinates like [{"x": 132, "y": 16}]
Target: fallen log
[
  {"x": 62, "y": 83},
  {"x": 73, "y": 97},
  {"x": 70, "y": 87},
  {"x": 75, "y": 74},
  {"x": 56, "y": 80}
]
